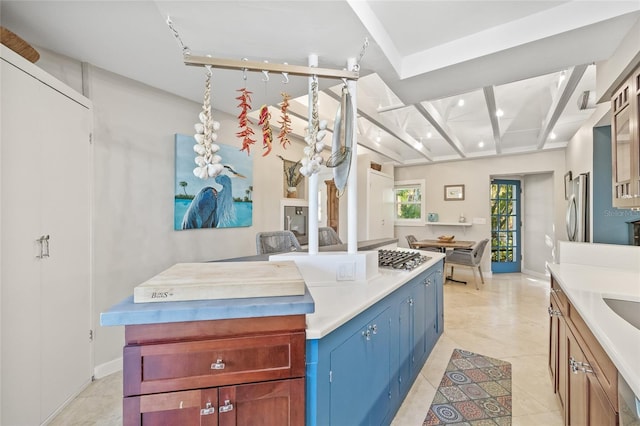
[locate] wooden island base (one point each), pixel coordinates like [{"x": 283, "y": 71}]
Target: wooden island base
[{"x": 219, "y": 372}]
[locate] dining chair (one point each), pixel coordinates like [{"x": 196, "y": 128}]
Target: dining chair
[
  {"x": 411, "y": 239},
  {"x": 471, "y": 257},
  {"x": 327, "y": 236},
  {"x": 276, "y": 242}
]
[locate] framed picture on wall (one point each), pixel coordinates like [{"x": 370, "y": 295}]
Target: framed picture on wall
[
  {"x": 453, "y": 192},
  {"x": 221, "y": 202}
]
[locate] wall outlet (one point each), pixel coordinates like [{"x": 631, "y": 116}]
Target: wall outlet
[{"x": 346, "y": 271}]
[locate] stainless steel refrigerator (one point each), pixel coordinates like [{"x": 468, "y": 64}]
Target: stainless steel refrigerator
[{"x": 578, "y": 208}]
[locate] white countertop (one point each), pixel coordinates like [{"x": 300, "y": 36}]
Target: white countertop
[
  {"x": 338, "y": 302},
  {"x": 585, "y": 286}
]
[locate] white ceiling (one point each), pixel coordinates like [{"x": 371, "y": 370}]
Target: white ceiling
[{"x": 423, "y": 58}]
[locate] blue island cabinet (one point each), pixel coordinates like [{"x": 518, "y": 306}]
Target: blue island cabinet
[{"x": 360, "y": 373}]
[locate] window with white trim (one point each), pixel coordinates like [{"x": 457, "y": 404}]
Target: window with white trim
[{"x": 409, "y": 208}]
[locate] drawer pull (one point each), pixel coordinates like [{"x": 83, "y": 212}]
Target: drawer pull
[
  {"x": 553, "y": 312},
  {"x": 209, "y": 409},
  {"x": 226, "y": 407},
  {"x": 218, "y": 365}
]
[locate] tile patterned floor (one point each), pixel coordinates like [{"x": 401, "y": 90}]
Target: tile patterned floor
[{"x": 506, "y": 319}]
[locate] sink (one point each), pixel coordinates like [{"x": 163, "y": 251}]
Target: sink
[{"x": 628, "y": 310}]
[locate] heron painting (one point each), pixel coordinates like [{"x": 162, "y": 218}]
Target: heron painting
[{"x": 221, "y": 202}]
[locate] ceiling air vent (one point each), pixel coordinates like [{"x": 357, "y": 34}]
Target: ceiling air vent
[{"x": 586, "y": 100}]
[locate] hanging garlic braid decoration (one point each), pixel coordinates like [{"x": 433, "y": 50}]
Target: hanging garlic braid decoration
[
  {"x": 207, "y": 161},
  {"x": 312, "y": 159}
]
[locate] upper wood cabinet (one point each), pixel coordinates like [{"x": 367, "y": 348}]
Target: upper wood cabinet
[{"x": 625, "y": 143}]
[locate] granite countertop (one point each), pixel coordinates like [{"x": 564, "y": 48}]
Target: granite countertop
[
  {"x": 338, "y": 302},
  {"x": 585, "y": 286}
]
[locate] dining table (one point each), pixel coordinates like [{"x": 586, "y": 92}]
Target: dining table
[{"x": 441, "y": 244}]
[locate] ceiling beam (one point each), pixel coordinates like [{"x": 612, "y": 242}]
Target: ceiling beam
[
  {"x": 429, "y": 112},
  {"x": 564, "y": 93},
  {"x": 371, "y": 114},
  {"x": 490, "y": 99}
]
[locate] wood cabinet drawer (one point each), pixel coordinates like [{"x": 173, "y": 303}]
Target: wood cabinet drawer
[
  {"x": 603, "y": 368},
  {"x": 275, "y": 403},
  {"x": 168, "y": 367}
]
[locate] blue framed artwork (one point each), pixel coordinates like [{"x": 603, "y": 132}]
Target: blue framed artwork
[{"x": 221, "y": 202}]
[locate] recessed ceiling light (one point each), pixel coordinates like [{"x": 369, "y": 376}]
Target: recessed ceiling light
[
  {"x": 418, "y": 145},
  {"x": 563, "y": 75},
  {"x": 499, "y": 112},
  {"x": 480, "y": 144},
  {"x": 552, "y": 136},
  {"x": 429, "y": 134},
  {"x": 460, "y": 102}
]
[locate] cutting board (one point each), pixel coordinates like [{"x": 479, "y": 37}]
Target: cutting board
[{"x": 223, "y": 280}]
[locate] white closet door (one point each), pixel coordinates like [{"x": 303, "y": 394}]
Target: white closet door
[
  {"x": 46, "y": 317},
  {"x": 20, "y": 267},
  {"x": 65, "y": 302}
]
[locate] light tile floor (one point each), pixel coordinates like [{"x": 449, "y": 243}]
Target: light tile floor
[{"x": 506, "y": 319}]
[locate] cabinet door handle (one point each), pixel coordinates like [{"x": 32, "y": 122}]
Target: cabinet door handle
[
  {"x": 374, "y": 328},
  {"x": 209, "y": 409},
  {"x": 577, "y": 366},
  {"x": 218, "y": 365},
  {"x": 367, "y": 334},
  {"x": 411, "y": 302},
  {"x": 226, "y": 407},
  {"x": 553, "y": 312},
  {"x": 44, "y": 246}
]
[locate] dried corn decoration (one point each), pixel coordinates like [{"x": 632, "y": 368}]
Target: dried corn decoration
[
  {"x": 267, "y": 135},
  {"x": 285, "y": 121}
]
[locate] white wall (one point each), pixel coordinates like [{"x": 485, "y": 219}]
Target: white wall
[
  {"x": 133, "y": 235},
  {"x": 476, "y": 176}
]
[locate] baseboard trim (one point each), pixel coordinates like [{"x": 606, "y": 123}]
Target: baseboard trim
[
  {"x": 103, "y": 370},
  {"x": 535, "y": 274}
]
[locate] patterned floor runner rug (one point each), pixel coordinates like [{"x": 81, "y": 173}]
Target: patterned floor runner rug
[{"x": 474, "y": 391}]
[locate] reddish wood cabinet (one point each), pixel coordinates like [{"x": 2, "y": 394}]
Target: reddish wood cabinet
[
  {"x": 247, "y": 371},
  {"x": 583, "y": 376}
]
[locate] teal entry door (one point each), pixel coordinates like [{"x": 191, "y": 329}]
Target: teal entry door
[{"x": 505, "y": 226}]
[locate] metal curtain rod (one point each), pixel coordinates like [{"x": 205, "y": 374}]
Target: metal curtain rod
[{"x": 232, "y": 64}]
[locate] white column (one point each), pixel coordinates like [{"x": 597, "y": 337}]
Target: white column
[
  {"x": 313, "y": 179},
  {"x": 352, "y": 183}
]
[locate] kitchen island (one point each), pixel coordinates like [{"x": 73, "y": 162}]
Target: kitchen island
[
  {"x": 372, "y": 337},
  {"x": 367, "y": 342}
]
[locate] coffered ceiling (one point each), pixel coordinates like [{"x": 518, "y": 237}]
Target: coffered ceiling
[{"x": 433, "y": 76}]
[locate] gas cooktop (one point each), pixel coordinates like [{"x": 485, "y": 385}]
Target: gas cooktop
[{"x": 400, "y": 259}]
